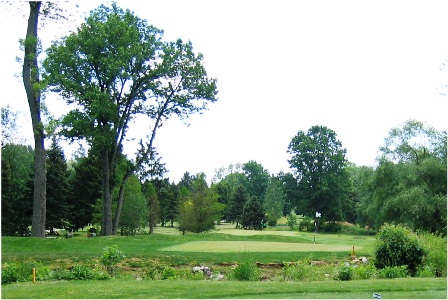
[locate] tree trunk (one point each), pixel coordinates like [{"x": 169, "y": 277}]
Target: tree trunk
[
  {"x": 30, "y": 78},
  {"x": 106, "y": 228}
]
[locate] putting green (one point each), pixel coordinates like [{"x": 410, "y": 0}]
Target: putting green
[
  {"x": 240, "y": 232},
  {"x": 253, "y": 246}
]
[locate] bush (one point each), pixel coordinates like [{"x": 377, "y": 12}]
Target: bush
[
  {"x": 398, "y": 246},
  {"x": 111, "y": 257},
  {"x": 344, "y": 273},
  {"x": 364, "y": 271},
  {"x": 297, "y": 271},
  {"x": 436, "y": 248},
  {"x": 23, "y": 271},
  {"x": 246, "y": 271},
  {"x": 306, "y": 224},
  {"x": 331, "y": 227},
  {"x": 80, "y": 272},
  {"x": 393, "y": 272}
]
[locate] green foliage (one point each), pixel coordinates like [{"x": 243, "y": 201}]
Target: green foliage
[
  {"x": 344, "y": 272},
  {"x": 364, "y": 271},
  {"x": 57, "y": 203},
  {"x": 239, "y": 198},
  {"x": 257, "y": 179},
  {"x": 274, "y": 200},
  {"x": 200, "y": 211},
  {"x": 398, "y": 246},
  {"x": 318, "y": 160},
  {"x": 393, "y": 272},
  {"x": 292, "y": 220},
  {"x": 160, "y": 272},
  {"x": 135, "y": 209},
  {"x": 246, "y": 271},
  {"x": 435, "y": 260},
  {"x": 16, "y": 194},
  {"x": 23, "y": 271},
  {"x": 253, "y": 216},
  {"x": 307, "y": 224},
  {"x": 111, "y": 257},
  {"x": 114, "y": 67},
  {"x": 331, "y": 227},
  {"x": 298, "y": 271},
  {"x": 80, "y": 272}
]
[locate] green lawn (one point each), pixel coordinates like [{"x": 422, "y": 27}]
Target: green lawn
[
  {"x": 409, "y": 288},
  {"x": 224, "y": 245}
]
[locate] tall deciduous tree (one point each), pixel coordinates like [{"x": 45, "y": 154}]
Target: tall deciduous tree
[
  {"x": 31, "y": 80},
  {"x": 257, "y": 179},
  {"x": 274, "y": 201},
  {"x": 114, "y": 68},
  {"x": 319, "y": 162}
]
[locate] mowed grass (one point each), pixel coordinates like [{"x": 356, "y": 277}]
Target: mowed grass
[
  {"x": 225, "y": 244},
  {"x": 256, "y": 246},
  {"x": 168, "y": 245},
  {"x": 406, "y": 288}
]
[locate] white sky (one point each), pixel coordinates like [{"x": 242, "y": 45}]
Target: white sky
[{"x": 357, "y": 67}]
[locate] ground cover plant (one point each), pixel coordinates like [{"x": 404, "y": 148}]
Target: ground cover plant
[{"x": 272, "y": 256}]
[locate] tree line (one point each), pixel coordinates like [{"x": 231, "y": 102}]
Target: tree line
[{"x": 408, "y": 186}]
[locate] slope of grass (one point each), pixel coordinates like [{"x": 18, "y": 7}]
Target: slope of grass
[{"x": 408, "y": 288}]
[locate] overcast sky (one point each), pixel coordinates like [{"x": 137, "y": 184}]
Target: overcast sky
[{"x": 357, "y": 67}]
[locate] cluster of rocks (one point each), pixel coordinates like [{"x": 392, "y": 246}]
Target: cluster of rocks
[{"x": 207, "y": 273}]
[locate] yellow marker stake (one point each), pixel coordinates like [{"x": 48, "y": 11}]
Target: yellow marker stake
[
  {"x": 353, "y": 251},
  {"x": 34, "y": 275}
]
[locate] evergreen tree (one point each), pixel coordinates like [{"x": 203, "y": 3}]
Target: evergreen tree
[
  {"x": 85, "y": 190},
  {"x": 202, "y": 210},
  {"x": 134, "y": 212},
  {"x": 239, "y": 199},
  {"x": 16, "y": 194},
  {"x": 253, "y": 216},
  {"x": 58, "y": 207}
]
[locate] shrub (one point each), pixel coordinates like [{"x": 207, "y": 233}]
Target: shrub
[
  {"x": 306, "y": 224},
  {"x": 246, "y": 271},
  {"x": 168, "y": 273},
  {"x": 436, "y": 248},
  {"x": 393, "y": 272},
  {"x": 331, "y": 227},
  {"x": 80, "y": 272},
  {"x": 364, "y": 271},
  {"x": 344, "y": 273},
  {"x": 398, "y": 246},
  {"x": 111, "y": 257},
  {"x": 296, "y": 272},
  {"x": 23, "y": 271}
]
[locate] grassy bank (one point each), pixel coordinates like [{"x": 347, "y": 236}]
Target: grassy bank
[{"x": 407, "y": 288}]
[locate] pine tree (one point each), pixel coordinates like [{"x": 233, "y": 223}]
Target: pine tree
[
  {"x": 58, "y": 208},
  {"x": 253, "y": 216},
  {"x": 240, "y": 198}
]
